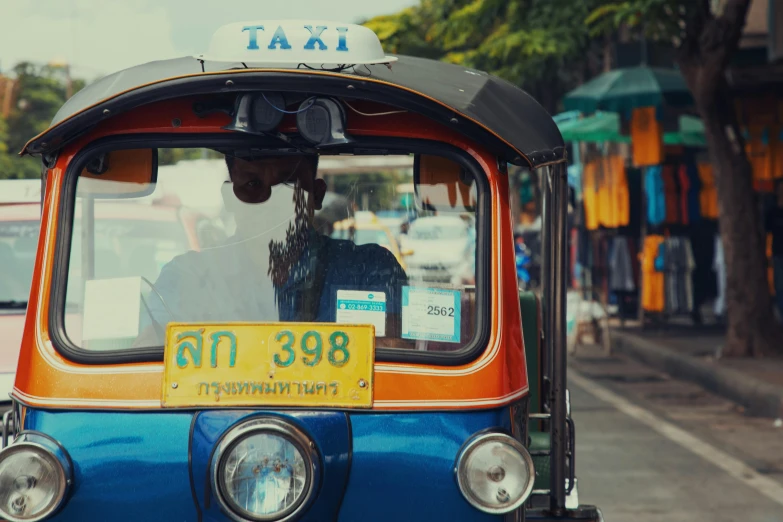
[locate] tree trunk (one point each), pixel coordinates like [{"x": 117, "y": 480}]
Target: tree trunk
[
  {"x": 752, "y": 328},
  {"x": 708, "y": 44}
]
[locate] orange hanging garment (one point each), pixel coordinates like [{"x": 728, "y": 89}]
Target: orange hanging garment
[
  {"x": 708, "y": 196},
  {"x": 759, "y": 152},
  {"x": 646, "y": 138},
  {"x": 590, "y": 195},
  {"x": 621, "y": 196},
  {"x": 605, "y": 217},
  {"x": 652, "y": 280}
]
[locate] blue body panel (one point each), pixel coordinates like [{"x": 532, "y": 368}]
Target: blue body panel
[
  {"x": 376, "y": 466},
  {"x": 403, "y": 466},
  {"x": 127, "y": 466}
]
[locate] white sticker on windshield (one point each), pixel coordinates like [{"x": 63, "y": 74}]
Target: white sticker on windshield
[
  {"x": 431, "y": 314},
  {"x": 361, "y": 307}
]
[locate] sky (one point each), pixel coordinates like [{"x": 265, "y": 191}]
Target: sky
[{"x": 98, "y": 37}]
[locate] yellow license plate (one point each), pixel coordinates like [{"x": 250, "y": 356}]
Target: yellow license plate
[{"x": 269, "y": 364}]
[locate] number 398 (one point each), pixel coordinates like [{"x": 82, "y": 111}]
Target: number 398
[
  {"x": 444, "y": 311},
  {"x": 311, "y": 345}
]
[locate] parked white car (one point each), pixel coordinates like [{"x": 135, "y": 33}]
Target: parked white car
[{"x": 443, "y": 249}]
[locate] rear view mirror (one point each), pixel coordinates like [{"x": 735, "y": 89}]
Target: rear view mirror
[
  {"x": 128, "y": 173},
  {"x": 441, "y": 184}
]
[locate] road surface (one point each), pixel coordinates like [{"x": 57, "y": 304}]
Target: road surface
[{"x": 650, "y": 448}]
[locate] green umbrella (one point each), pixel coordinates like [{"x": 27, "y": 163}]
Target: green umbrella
[
  {"x": 691, "y": 133},
  {"x": 623, "y": 90},
  {"x": 605, "y": 127},
  {"x": 597, "y": 128}
]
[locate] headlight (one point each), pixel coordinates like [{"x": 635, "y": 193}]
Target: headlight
[
  {"x": 265, "y": 469},
  {"x": 35, "y": 474},
  {"x": 495, "y": 473}
]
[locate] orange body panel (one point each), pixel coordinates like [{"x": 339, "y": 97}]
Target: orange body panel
[{"x": 497, "y": 377}]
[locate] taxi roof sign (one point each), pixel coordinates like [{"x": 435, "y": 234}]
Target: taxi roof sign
[{"x": 314, "y": 42}]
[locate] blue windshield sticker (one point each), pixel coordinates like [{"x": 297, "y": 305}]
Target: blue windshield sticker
[
  {"x": 362, "y": 307},
  {"x": 431, "y": 314}
]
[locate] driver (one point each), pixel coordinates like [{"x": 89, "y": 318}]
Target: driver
[{"x": 276, "y": 266}]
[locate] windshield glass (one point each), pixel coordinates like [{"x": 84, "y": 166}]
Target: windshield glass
[
  {"x": 367, "y": 236},
  {"x": 257, "y": 237},
  {"x": 439, "y": 229},
  {"x": 18, "y": 242}
]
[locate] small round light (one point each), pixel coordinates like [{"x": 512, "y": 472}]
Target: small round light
[
  {"x": 33, "y": 480},
  {"x": 495, "y": 473},
  {"x": 264, "y": 470}
]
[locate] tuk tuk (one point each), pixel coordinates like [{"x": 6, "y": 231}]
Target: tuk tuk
[{"x": 280, "y": 374}]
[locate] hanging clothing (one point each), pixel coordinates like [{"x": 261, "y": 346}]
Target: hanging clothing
[
  {"x": 759, "y": 152},
  {"x": 777, "y": 152},
  {"x": 620, "y": 266},
  {"x": 694, "y": 191},
  {"x": 646, "y": 137},
  {"x": 605, "y": 207},
  {"x": 590, "y": 195},
  {"x": 708, "y": 198},
  {"x": 684, "y": 183},
  {"x": 679, "y": 265},
  {"x": 621, "y": 197},
  {"x": 671, "y": 195},
  {"x": 720, "y": 274},
  {"x": 605, "y": 193},
  {"x": 654, "y": 189},
  {"x": 652, "y": 279},
  {"x": 702, "y": 236}
]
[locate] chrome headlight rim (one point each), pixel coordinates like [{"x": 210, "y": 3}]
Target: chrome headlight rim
[
  {"x": 468, "y": 448},
  {"x": 50, "y": 450},
  {"x": 274, "y": 426}
]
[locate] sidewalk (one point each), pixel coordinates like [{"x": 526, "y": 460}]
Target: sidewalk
[{"x": 692, "y": 353}]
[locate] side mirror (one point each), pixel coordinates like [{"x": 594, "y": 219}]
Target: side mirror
[{"x": 120, "y": 174}]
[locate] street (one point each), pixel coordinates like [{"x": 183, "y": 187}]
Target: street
[{"x": 650, "y": 448}]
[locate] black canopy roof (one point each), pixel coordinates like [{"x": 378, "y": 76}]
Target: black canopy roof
[{"x": 490, "y": 110}]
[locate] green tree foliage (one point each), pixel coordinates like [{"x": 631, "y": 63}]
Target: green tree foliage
[
  {"x": 40, "y": 92},
  {"x": 543, "y": 46}
]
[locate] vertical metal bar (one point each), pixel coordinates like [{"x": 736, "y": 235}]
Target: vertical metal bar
[
  {"x": 546, "y": 280},
  {"x": 558, "y": 430}
]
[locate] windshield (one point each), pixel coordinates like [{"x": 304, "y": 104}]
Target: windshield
[
  {"x": 434, "y": 229},
  {"x": 368, "y": 236},
  {"x": 18, "y": 243},
  {"x": 271, "y": 245}
]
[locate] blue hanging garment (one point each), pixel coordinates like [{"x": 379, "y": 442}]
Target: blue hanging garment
[
  {"x": 660, "y": 259},
  {"x": 656, "y": 198}
]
